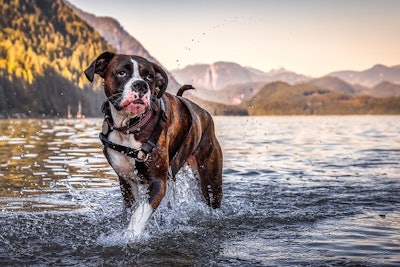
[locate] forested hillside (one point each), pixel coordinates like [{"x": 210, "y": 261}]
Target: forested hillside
[{"x": 44, "y": 48}]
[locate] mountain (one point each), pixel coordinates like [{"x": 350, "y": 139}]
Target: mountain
[
  {"x": 381, "y": 90},
  {"x": 220, "y": 74},
  {"x": 370, "y": 77},
  {"x": 334, "y": 84},
  {"x": 232, "y": 94},
  {"x": 235, "y": 94},
  {"x": 44, "y": 46},
  {"x": 218, "y": 108},
  {"x": 385, "y": 89},
  {"x": 113, "y": 32},
  {"x": 281, "y": 98},
  {"x": 231, "y": 83},
  {"x": 277, "y": 75},
  {"x": 212, "y": 77}
]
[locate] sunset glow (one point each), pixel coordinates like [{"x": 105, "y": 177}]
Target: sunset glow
[{"x": 309, "y": 37}]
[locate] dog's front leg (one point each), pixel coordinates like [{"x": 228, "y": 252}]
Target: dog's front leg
[
  {"x": 127, "y": 193},
  {"x": 157, "y": 188},
  {"x": 156, "y": 191},
  {"x": 139, "y": 218}
]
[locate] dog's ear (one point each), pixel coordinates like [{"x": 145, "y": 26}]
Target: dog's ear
[
  {"x": 99, "y": 65},
  {"x": 161, "y": 80}
]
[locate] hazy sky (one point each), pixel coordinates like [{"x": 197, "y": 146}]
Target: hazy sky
[{"x": 312, "y": 37}]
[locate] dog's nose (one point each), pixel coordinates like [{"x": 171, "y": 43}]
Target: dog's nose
[{"x": 139, "y": 87}]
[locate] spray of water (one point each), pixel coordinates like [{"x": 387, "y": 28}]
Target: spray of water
[{"x": 180, "y": 211}]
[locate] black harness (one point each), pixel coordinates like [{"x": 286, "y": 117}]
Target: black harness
[{"x": 134, "y": 126}]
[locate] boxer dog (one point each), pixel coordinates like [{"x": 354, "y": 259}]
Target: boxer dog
[{"x": 149, "y": 134}]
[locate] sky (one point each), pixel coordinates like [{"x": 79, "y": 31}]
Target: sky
[{"x": 313, "y": 37}]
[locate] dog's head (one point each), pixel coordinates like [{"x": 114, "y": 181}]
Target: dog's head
[{"x": 130, "y": 82}]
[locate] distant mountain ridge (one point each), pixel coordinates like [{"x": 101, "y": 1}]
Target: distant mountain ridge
[
  {"x": 385, "y": 89},
  {"x": 279, "y": 98},
  {"x": 280, "y": 74},
  {"x": 45, "y": 47},
  {"x": 334, "y": 84},
  {"x": 370, "y": 77},
  {"x": 217, "y": 75},
  {"x": 230, "y": 83},
  {"x": 236, "y": 94}
]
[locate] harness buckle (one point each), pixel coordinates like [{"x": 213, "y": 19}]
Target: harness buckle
[
  {"x": 148, "y": 147},
  {"x": 105, "y": 127},
  {"x": 142, "y": 156}
]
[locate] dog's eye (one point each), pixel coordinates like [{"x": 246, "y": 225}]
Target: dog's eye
[
  {"x": 149, "y": 77},
  {"x": 121, "y": 73}
]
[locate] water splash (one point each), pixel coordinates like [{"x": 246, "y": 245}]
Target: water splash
[{"x": 181, "y": 211}]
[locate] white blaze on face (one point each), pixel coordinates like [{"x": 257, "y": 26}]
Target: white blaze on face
[
  {"x": 135, "y": 77},
  {"x": 129, "y": 95}
]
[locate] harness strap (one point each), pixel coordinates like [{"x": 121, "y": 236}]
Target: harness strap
[
  {"x": 151, "y": 143},
  {"x": 122, "y": 149}
]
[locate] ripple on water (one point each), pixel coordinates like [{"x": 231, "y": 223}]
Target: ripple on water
[{"x": 297, "y": 192}]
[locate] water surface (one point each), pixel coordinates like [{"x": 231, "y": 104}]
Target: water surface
[{"x": 298, "y": 191}]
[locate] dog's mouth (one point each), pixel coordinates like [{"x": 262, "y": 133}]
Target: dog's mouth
[
  {"x": 134, "y": 102},
  {"x": 134, "y": 106}
]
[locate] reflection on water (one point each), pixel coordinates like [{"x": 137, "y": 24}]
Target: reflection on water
[
  {"x": 298, "y": 191},
  {"x": 49, "y": 156}
]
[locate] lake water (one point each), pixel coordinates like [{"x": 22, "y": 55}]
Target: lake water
[{"x": 298, "y": 191}]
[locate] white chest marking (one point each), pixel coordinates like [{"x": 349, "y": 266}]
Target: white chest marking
[{"x": 123, "y": 165}]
